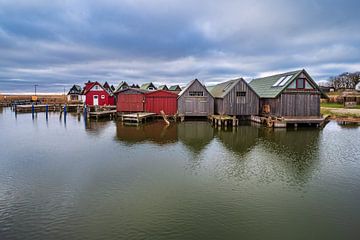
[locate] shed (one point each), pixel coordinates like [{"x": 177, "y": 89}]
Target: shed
[
  {"x": 161, "y": 100},
  {"x": 130, "y": 100},
  {"x": 75, "y": 93},
  {"x": 122, "y": 85},
  {"x": 288, "y": 94},
  {"x": 235, "y": 98},
  {"x": 97, "y": 95},
  {"x": 195, "y": 100}
]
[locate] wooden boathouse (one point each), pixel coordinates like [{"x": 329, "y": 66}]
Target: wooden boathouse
[
  {"x": 293, "y": 96},
  {"x": 235, "y": 98},
  {"x": 195, "y": 100},
  {"x": 96, "y": 95},
  {"x": 130, "y": 100},
  {"x": 160, "y": 100}
]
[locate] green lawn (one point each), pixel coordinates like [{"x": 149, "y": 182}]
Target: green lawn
[{"x": 332, "y": 105}]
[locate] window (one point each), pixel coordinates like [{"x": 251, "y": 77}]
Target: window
[
  {"x": 96, "y": 87},
  {"x": 196, "y": 93},
  {"x": 282, "y": 81},
  {"x": 300, "y": 83},
  {"x": 240, "y": 94},
  {"x": 102, "y": 96}
]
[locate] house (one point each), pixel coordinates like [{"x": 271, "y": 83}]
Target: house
[
  {"x": 122, "y": 85},
  {"x": 327, "y": 89},
  {"x": 97, "y": 95},
  {"x": 160, "y": 100},
  {"x": 135, "y": 86},
  {"x": 75, "y": 94},
  {"x": 163, "y": 87},
  {"x": 288, "y": 94},
  {"x": 195, "y": 100},
  {"x": 112, "y": 88},
  {"x": 130, "y": 100},
  {"x": 107, "y": 86},
  {"x": 148, "y": 86},
  {"x": 235, "y": 98},
  {"x": 175, "y": 88},
  {"x": 357, "y": 86}
]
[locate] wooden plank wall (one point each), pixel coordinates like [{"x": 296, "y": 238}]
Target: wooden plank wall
[
  {"x": 238, "y": 106},
  {"x": 296, "y": 104},
  {"x": 196, "y": 106}
]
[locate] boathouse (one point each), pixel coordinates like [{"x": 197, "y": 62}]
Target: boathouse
[
  {"x": 195, "y": 100},
  {"x": 291, "y": 94},
  {"x": 74, "y": 94},
  {"x": 160, "y": 100},
  {"x": 122, "y": 85},
  {"x": 130, "y": 100},
  {"x": 96, "y": 95},
  {"x": 235, "y": 98}
]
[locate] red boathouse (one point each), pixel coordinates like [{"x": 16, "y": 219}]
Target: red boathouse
[
  {"x": 161, "y": 100},
  {"x": 130, "y": 100},
  {"x": 97, "y": 95}
]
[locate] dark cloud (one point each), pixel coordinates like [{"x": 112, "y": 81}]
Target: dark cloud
[{"x": 58, "y": 43}]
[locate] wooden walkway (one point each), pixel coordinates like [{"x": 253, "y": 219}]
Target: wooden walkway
[
  {"x": 110, "y": 113},
  {"x": 223, "y": 120},
  {"x": 136, "y": 117},
  {"x": 283, "y": 122}
]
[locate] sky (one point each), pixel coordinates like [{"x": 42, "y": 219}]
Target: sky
[{"x": 56, "y": 44}]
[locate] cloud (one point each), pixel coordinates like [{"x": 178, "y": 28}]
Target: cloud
[{"x": 59, "y": 43}]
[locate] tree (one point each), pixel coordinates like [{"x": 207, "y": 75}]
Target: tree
[{"x": 345, "y": 80}]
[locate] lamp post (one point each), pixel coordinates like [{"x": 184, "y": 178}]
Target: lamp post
[{"x": 35, "y": 88}]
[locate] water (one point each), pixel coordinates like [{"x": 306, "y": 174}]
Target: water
[{"x": 70, "y": 180}]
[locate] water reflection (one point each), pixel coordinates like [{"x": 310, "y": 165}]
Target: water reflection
[
  {"x": 156, "y": 132},
  {"x": 195, "y": 135},
  {"x": 96, "y": 127}
]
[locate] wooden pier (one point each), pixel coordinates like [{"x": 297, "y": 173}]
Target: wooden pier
[
  {"x": 223, "y": 120},
  {"x": 102, "y": 114},
  {"x": 137, "y": 117},
  {"x": 50, "y": 107},
  {"x": 283, "y": 122}
]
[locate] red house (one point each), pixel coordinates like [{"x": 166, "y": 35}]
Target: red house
[
  {"x": 130, "y": 100},
  {"x": 97, "y": 95},
  {"x": 161, "y": 100}
]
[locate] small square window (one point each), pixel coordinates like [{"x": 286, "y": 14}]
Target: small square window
[
  {"x": 300, "y": 83},
  {"x": 102, "y": 96},
  {"x": 240, "y": 94}
]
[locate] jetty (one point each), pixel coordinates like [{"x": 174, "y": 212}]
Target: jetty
[
  {"x": 137, "y": 118},
  {"x": 102, "y": 114},
  {"x": 223, "y": 120},
  {"x": 283, "y": 122}
]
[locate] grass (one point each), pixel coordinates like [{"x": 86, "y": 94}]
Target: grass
[
  {"x": 329, "y": 112},
  {"x": 336, "y": 105}
]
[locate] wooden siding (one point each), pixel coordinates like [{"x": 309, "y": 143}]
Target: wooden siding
[
  {"x": 161, "y": 100},
  {"x": 294, "y": 104},
  {"x": 196, "y": 106},
  {"x": 238, "y": 106},
  {"x": 130, "y": 100}
]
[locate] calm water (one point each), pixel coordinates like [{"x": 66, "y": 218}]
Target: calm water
[{"x": 102, "y": 180}]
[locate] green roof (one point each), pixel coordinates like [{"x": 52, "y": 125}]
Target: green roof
[
  {"x": 163, "y": 87},
  {"x": 265, "y": 88},
  {"x": 145, "y": 86},
  {"x": 174, "y": 87},
  {"x": 221, "y": 89}
]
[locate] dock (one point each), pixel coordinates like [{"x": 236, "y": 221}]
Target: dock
[
  {"x": 137, "y": 117},
  {"x": 283, "y": 122},
  {"x": 47, "y": 107},
  {"x": 223, "y": 120},
  {"x": 102, "y": 114}
]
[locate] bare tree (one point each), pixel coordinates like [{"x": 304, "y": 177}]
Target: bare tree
[{"x": 345, "y": 80}]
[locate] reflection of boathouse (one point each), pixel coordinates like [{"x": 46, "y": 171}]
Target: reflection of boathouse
[{"x": 155, "y": 132}]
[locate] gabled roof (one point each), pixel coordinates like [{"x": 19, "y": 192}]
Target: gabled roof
[
  {"x": 142, "y": 91},
  {"x": 146, "y": 86},
  {"x": 222, "y": 89},
  {"x": 190, "y": 84},
  {"x": 121, "y": 85},
  {"x": 75, "y": 89},
  {"x": 175, "y": 88},
  {"x": 89, "y": 85},
  {"x": 163, "y": 87},
  {"x": 265, "y": 88}
]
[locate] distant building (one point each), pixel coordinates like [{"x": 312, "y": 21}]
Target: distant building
[
  {"x": 107, "y": 86},
  {"x": 134, "y": 86},
  {"x": 327, "y": 89},
  {"x": 75, "y": 94},
  {"x": 163, "y": 87},
  {"x": 175, "y": 88},
  {"x": 122, "y": 85},
  {"x": 357, "y": 86},
  {"x": 148, "y": 86}
]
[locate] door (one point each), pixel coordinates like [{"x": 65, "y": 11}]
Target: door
[{"x": 96, "y": 100}]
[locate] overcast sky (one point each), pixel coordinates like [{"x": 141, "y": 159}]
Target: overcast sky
[{"x": 58, "y": 43}]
